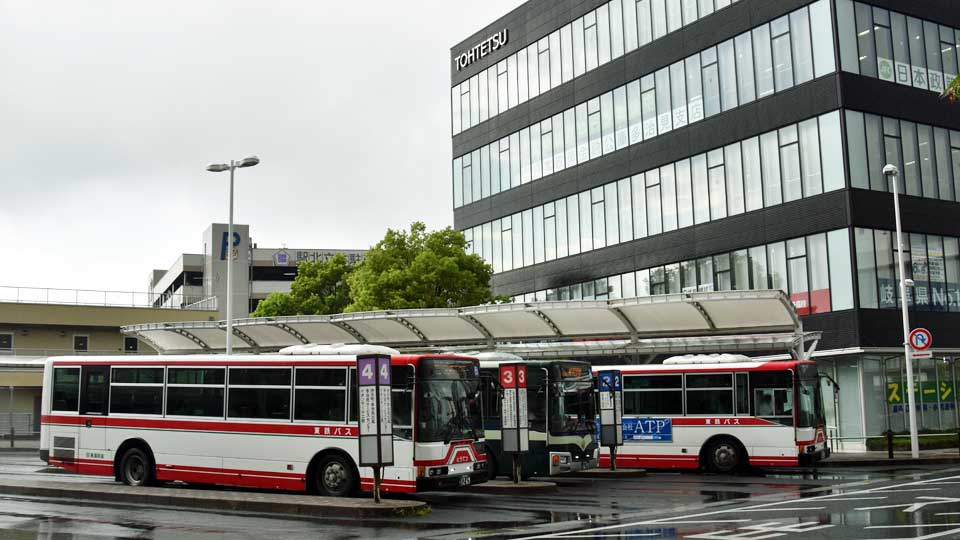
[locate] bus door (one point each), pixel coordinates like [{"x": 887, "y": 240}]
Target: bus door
[{"x": 94, "y": 397}]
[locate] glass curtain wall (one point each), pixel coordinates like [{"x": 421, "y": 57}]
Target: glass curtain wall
[
  {"x": 897, "y": 48},
  {"x": 815, "y": 271},
  {"x": 771, "y": 58},
  {"x": 932, "y": 261},
  {"x": 604, "y": 34},
  {"x": 789, "y": 163},
  {"x": 928, "y": 156}
]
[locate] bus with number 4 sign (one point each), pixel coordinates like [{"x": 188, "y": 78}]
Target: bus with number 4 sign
[
  {"x": 720, "y": 413},
  {"x": 276, "y": 421},
  {"x": 561, "y": 413}
]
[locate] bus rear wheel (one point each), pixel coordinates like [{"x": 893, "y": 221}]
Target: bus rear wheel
[
  {"x": 723, "y": 456},
  {"x": 136, "y": 468},
  {"x": 335, "y": 477}
]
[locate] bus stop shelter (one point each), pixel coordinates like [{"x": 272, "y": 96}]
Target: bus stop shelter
[{"x": 695, "y": 322}]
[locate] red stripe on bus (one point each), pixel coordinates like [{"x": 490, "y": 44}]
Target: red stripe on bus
[
  {"x": 724, "y": 421},
  {"x": 286, "y": 428}
]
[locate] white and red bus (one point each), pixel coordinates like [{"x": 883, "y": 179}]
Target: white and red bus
[
  {"x": 720, "y": 412},
  {"x": 282, "y": 421}
]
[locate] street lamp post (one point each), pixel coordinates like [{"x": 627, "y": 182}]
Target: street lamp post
[
  {"x": 891, "y": 172},
  {"x": 220, "y": 167}
]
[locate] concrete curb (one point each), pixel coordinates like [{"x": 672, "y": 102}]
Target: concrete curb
[
  {"x": 874, "y": 462},
  {"x": 273, "y": 503},
  {"x": 507, "y": 486},
  {"x": 607, "y": 473}
]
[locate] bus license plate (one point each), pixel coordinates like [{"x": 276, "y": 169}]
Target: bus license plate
[{"x": 465, "y": 480}]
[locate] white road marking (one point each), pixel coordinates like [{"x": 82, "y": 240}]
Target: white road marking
[
  {"x": 676, "y": 520},
  {"x": 796, "y": 509},
  {"x": 927, "y": 536},
  {"x": 917, "y": 526},
  {"x": 913, "y": 507},
  {"x": 854, "y": 498},
  {"x": 886, "y": 490}
]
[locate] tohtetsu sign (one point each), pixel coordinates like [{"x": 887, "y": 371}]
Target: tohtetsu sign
[{"x": 484, "y": 48}]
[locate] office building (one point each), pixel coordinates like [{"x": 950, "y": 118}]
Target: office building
[{"x": 628, "y": 148}]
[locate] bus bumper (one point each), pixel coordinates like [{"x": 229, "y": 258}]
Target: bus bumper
[
  {"x": 565, "y": 462},
  {"x": 813, "y": 453},
  {"x": 445, "y": 482}
]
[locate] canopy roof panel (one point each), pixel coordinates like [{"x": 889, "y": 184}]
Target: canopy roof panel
[{"x": 633, "y": 321}]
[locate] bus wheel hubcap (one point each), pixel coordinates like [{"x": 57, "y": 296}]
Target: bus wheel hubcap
[
  {"x": 135, "y": 470},
  {"x": 334, "y": 476},
  {"x": 725, "y": 456}
]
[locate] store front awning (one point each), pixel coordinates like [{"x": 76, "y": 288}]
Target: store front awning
[{"x": 697, "y": 321}]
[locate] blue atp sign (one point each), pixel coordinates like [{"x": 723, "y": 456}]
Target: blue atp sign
[{"x": 646, "y": 429}]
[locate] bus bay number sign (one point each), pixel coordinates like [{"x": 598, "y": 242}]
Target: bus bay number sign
[
  {"x": 375, "y": 417},
  {"x": 515, "y": 429}
]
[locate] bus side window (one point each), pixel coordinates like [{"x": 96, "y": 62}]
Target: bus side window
[
  {"x": 320, "y": 394},
  {"x": 490, "y": 395},
  {"x": 401, "y": 399},
  {"x": 743, "y": 394},
  {"x": 773, "y": 396},
  {"x": 94, "y": 383},
  {"x": 66, "y": 389},
  {"x": 354, "y": 393}
]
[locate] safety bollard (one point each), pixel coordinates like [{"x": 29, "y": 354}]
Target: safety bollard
[
  {"x": 12, "y": 435},
  {"x": 958, "y": 441},
  {"x": 889, "y": 435}
]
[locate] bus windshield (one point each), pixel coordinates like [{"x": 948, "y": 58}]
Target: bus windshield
[
  {"x": 573, "y": 401},
  {"x": 449, "y": 400},
  {"x": 810, "y": 412}
]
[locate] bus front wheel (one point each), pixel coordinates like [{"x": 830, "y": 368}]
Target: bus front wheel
[
  {"x": 335, "y": 477},
  {"x": 136, "y": 468},
  {"x": 723, "y": 456}
]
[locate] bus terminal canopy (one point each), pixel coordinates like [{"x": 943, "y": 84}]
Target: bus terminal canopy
[{"x": 674, "y": 323}]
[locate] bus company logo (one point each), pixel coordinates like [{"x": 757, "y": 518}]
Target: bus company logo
[
  {"x": 721, "y": 421},
  {"x": 281, "y": 258},
  {"x": 486, "y": 47},
  {"x": 462, "y": 456},
  {"x": 335, "y": 431}
]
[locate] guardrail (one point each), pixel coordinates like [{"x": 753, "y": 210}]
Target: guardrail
[
  {"x": 45, "y": 353},
  {"x": 889, "y": 435},
  {"x": 90, "y": 297}
]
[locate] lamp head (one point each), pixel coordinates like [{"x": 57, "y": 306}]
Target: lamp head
[
  {"x": 890, "y": 170},
  {"x": 218, "y": 167},
  {"x": 249, "y": 162}
]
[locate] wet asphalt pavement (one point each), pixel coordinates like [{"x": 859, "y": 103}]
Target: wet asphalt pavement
[{"x": 915, "y": 502}]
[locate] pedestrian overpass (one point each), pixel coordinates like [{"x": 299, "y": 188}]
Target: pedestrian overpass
[{"x": 696, "y": 322}]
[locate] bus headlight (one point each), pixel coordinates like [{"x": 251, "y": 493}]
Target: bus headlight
[
  {"x": 480, "y": 465},
  {"x": 438, "y": 471}
]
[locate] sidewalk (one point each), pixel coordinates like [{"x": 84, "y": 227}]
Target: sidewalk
[
  {"x": 243, "y": 501},
  {"x": 880, "y": 459},
  {"x": 20, "y": 445}
]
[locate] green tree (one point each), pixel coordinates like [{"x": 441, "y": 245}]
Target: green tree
[
  {"x": 420, "y": 269},
  {"x": 953, "y": 90},
  {"x": 320, "y": 288}
]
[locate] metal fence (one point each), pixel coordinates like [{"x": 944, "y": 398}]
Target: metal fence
[{"x": 85, "y": 297}]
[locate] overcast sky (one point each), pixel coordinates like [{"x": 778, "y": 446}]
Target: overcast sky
[{"x": 111, "y": 110}]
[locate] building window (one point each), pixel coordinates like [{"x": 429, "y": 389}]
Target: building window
[
  {"x": 81, "y": 343},
  {"x": 6, "y": 342}
]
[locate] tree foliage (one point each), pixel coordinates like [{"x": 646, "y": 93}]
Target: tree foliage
[
  {"x": 320, "y": 288},
  {"x": 407, "y": 269},
  {"x": 420, "y": 269},
  {"x": 953, "y": 90}
]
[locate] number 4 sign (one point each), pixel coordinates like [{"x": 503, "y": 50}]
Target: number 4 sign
[{"x": 375, "y": 420}]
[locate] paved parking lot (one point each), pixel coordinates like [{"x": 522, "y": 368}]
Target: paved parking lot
[{"x": 915, "y": 502}]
